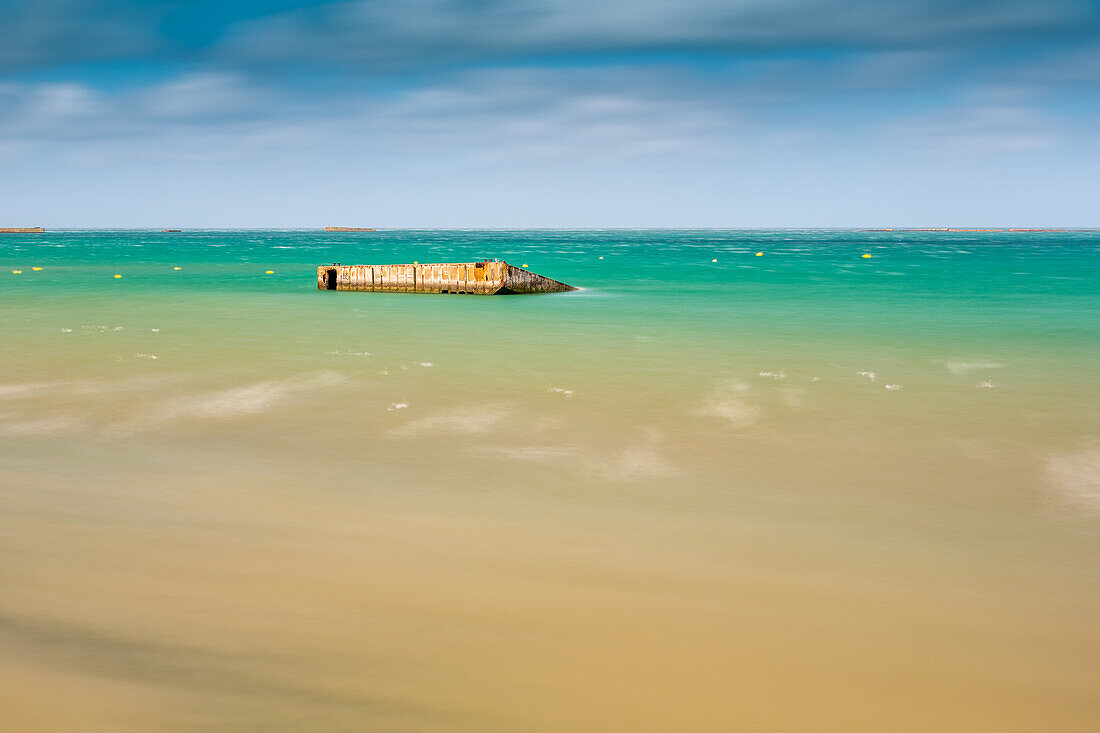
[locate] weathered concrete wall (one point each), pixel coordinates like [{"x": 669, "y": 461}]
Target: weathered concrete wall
[{"x": 473, "y": 278}]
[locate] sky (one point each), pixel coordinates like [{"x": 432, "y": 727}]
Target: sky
[{"x": 549, "y": 113}]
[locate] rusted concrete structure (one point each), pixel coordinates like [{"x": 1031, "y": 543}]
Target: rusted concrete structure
[
  {"x": 464, "y": 278},
  {"x": 348, "y": 229},
  {"x": 22, "y": 230}
]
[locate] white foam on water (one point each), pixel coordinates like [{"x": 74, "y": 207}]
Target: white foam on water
[
  {"x": 545, "y": 423},
  {"x": 870, "y": 375},
  {"x": 397, "y": 406},
  {"x": 347, "y": 353},
  {"x": 893, "y": 386},
  {"x": 1075, "y": 476},
  {"x": 384, "y": 373},
  {"x": 82, "y": 388},
  {"x": 145, "y": 356},
  {"x": 155, "y": 330},
  {"x": 965, "y": 367},
  {"x": 424, "y": 363},
  {"x": 637, "y": 462},
  {"x": 986, "y": 384},
  {"x": 10, "y": 391},
  {"x": 793, "y": 397},
  {"x": 533, "y": 452},
  {"x": 14, "y": 426},
  {"x": 727, "y": 404},
  {"x": 66, "y": 330},
  {"x": 470, "y": 420},
  {"x": 561, "y": 391},
  {"x": 246, "y": 400},
  {"x": 774, "y": 375}
]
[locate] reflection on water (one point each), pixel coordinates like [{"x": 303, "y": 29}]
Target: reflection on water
[{"x": 696, "y": 509}]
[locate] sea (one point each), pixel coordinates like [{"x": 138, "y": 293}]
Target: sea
[{"x": 780, "y": 480}]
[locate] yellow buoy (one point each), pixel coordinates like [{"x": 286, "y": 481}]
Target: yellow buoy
[
  {"x": 270, "y": 272},
  {"x": 416, "y": 262},
  {"x": 117, "y": 277},
  {"x": 866, "y": 257},
  {"x": 177, "y": 268},
  {"x": 36, "y": 269},
  {"x": 759, "y": 254},
  {"x": 16, "y": 272},
  {"x": 524, "y": 265},
  {"x": 601, "y": 257},
  {"x": 715, "y": 259}
]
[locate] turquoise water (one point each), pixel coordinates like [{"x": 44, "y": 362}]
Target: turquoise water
[
  {"x": 715, "y": 480},
  {"x": 655, "y": 312},
  {"x": 810, "y": 291}
]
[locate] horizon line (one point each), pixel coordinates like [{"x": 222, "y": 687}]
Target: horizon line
[{"x": 378, "y": 230}]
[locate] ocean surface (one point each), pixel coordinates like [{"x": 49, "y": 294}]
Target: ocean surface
[{"x": 742, "y": 480}]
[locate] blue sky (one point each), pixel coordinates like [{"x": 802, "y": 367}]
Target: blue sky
[{"x": 555, "y": 113}]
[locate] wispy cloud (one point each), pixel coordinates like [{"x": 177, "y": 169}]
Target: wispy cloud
[
  {"x": 981, "y": 129},
  {"x": 386, "y": 36},
  {"x": 529, "y": 113},
  {"x": 380, "y": 37},
  {"x": 48, "y": 33}
]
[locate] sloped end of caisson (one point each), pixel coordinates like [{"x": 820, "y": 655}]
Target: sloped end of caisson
[{"x": 518, "y": 281}]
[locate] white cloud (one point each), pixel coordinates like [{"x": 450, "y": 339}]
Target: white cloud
[
  {"x": 206, "y": 95},
  {"x": 981, "y": 129}
]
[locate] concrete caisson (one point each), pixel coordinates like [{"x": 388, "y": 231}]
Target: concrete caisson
[{"x": 463, "y": 278}]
